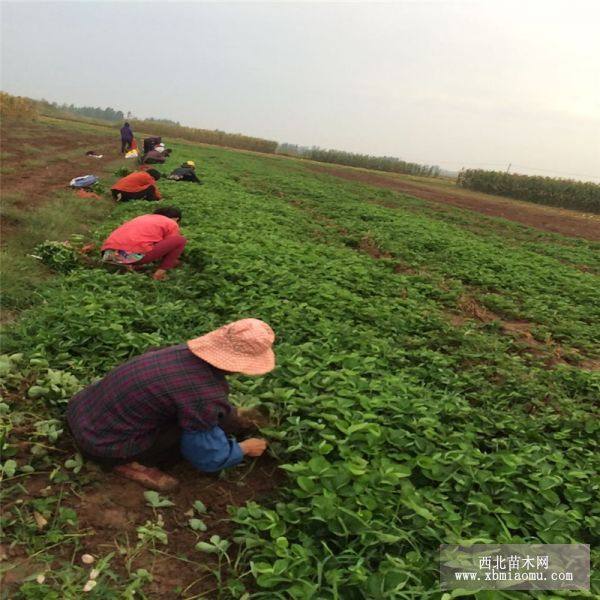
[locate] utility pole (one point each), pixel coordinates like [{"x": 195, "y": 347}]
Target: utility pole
[{"x": 508, "y": 168}]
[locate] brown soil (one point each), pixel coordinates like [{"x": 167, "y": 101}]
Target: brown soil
[
  {"x": 546, "y": 218},
  {"x": 404, "y": 269},
  {"x": 590, "y": 364},
  {"x": 469, "y": 306},
  {"x": 110, "y": 509},
  {"x": 370, "y": 247},
  {"x": 62, "y": 152},
  {"x": 552, "y": 353},
  {"x": 113, "y": 508}
]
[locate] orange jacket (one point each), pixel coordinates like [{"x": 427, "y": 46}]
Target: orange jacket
[
  {"x": 136, "y": 182},
  {"x": 140, "y": 234}
]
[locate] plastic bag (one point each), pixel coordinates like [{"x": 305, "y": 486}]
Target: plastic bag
[{"x": 84, "y": 181}]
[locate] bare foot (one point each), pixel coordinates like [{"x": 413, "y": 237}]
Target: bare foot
[{"x": 149, "y": 477}]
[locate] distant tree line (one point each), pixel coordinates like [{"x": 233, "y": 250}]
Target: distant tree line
[
  {"x": 566, "y": 193},
  {"x": 366, "y": 161},
  {"x": 205, "y": 136},
  {"x": 104, "y": 114},
  {"x": 26, "y": 108},
  {"x": 160, "y": 121}
]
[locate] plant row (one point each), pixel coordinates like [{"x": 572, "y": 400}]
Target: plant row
[{"x": 399, "y": 431}]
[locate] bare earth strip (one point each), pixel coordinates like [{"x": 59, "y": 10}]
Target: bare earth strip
[{"x": 546, "y": 218}]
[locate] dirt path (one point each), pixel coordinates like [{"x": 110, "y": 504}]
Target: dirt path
[
  {"x": 546, "y": 218},
  {"x": 38, "y": 159}
]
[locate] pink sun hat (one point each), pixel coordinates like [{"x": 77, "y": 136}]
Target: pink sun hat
[{"x": 244, "y": 346}]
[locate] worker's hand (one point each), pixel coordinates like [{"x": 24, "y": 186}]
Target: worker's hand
[
  {"x": 159, "y": 275},
  {"x": 253, "y": 446}
]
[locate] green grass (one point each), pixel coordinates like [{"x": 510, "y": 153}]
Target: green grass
[
  {"x": 398, "y": 430},
  {"x": 60, "y": 217},
  {"x": 81, "y": 127},
  {"x": 34, "y": 163},
  {"x": 65, "y": 155},
  {"x": 22, "y": 135},
  {"x": 32, "y": 149}
]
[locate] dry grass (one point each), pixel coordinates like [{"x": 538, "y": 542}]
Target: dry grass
[{"x": 16, "y": 107}]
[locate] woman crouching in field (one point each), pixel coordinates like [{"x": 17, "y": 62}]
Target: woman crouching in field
[
  {"x": 146, "y": 411},
  {"x": 147, "y": 239},
  {"x": 140, "y": 185}
]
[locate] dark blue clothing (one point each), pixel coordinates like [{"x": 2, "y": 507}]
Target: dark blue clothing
[
  {"x": 126, "y": 134},
  {"x": 211, "y": 450}
]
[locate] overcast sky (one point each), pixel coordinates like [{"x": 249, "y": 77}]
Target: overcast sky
[{"x": 480, "y": 83}]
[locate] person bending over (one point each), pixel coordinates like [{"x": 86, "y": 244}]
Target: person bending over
[
  {"x": 186, "y": 172},
  {"x": 154, "y": 157},
  {"x": 147, "y": 239},
  {"x": 137, "y": 186},
  {"x": 143, "y": 412}
]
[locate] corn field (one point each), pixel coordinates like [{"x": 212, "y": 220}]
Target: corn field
[
  {"x": 566, "y": 193},
  {"x": 16, "y": 107}
]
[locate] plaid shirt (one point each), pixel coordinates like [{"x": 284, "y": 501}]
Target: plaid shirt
[{"x": 121, "y": 415}]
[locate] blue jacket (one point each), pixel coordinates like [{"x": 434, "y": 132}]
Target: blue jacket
[{"x": 211, "y": 450}]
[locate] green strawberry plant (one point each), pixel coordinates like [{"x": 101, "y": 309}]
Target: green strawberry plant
[{"x": 399, "y": 426}]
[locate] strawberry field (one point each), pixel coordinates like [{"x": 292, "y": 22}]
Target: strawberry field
[{"x": 437, "y": 382}]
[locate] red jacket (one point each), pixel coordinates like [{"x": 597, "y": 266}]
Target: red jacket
[
  {"x": 140, "y": 234},
  {"x": 136, "y": 182}
]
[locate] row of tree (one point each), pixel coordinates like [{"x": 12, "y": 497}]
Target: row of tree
[
  {"x": 91, "y": 112},
  {"x": 204, "y": 136},
  {"x": 163, "y": 121},
  {"x": 565, "y": 193},
  {"x": 17, "y": 107},
  {"x": 366, "y": 161}
]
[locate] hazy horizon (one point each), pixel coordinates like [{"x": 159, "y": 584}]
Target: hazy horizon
[{"x": 457, "y": 84}]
